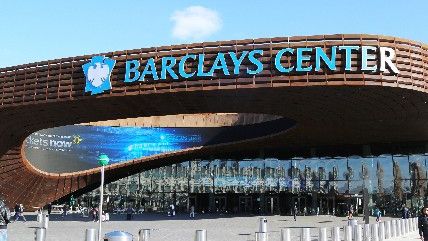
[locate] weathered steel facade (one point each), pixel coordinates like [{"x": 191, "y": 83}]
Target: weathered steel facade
[{"x": 330, "y": 108}]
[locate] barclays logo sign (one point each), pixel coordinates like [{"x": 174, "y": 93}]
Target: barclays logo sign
[
  {"x": 97, "y": 74},
  {"x": 301, "y": 60}
]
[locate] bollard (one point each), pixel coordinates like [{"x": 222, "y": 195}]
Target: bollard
[
  {"x": 39, "y": 217},
  {"x": 393, "y": 228},
  {"x": 387, "y": 229},
  {"x": 407, "y": 225},
  {"x": 118, "y": 236},
  {"x": 348, "y": 233},
  {"x": 381, "y": 231},
  {"x": 375, "y": 232},
  {"x": 403, "y": 227},
  {"x": 260, "y": 236},
  {"x": 398, "y": 228},
  {"x": 335, "y": 234},
  {"x": 358, "y": 233},
  {"x": 285, "y": 234},
  {"x": 322, "y": 236},
  {"x": 263, "y": 225},
  {"x": 40, "y": 234},
  {"x": 366, "y": 233},
  {"x": 45, "y": 221},
  {"x": 201, "y": 235},
  {"x": 144, "y": 235},
  {"x": 305, "y": 235},
  {"x": 353, "y": 223},
  {"x": 415, "y": 224},
  {"x": 410, "y": 225},
  {"x": 91, "y": 234}
]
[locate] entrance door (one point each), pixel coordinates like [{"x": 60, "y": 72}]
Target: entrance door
[
  {"x": 324, "y": 205},
  {"x": 192, "y": 202},
  {"x": 301, "y": 205},
  {"x": 220, "y": 203},
  {"x": 245, "y": 204},
  {"x": 272, "y": 205}
]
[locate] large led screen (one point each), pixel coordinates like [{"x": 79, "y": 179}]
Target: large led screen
[{"x": 77, "y": 147}]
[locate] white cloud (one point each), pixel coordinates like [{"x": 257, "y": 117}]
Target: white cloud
[{"x": 195, "y": 22}]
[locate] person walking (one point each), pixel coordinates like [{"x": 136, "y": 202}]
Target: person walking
[
  {"x": 423, "y": 224},
  {"x": 94, "y": 214},
  {"x": 350, "y": 212},
  {"x": 295, "y": 212},
  {"x": 4, "y": 220},
  {"x": 192, "y": 212},
  {"x": 129, "y": 212},
  {"x": 19, "y": 212},
  {"x": 64, "y": 210},
  {"x": 378, "y": 214},
  {"x": 405, "y": 212},
  {"x": 49, "y": 207},
  {"x": 172, "y": 209}
]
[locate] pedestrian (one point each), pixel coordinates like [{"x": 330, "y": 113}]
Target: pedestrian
[
  {"x": 350, "y": 212},
  {"x": 19, "y": 212},
  {"x": 16, "y": 210},
  {"x": 4, "y": 220},
  {"x": 172, "y": 209},
  {"x": 129, "y": 212},
  {"x": 94, "y": 214},
  {"x": 318, "y": 211},
  {"x": 405, "y": 212},
  {"x": 192, "y": 212},
  {"x": 295, "y": 212},
  {"x": 64, "y": 210},
  {"x": 49, "y": 208},
  {"x": 378, "y": 214},
  {"x": 423, "y": 224}
]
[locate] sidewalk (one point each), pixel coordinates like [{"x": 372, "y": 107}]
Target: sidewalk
[{"x": 410, "y": 236}]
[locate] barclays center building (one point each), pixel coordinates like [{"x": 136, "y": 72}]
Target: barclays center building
[{"x": 253, "y": 126}]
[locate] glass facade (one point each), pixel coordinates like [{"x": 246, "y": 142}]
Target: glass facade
[{"x": 327, "y": 185}]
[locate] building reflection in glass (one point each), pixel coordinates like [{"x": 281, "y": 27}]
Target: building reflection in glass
[{"x": 325, "y": 185}]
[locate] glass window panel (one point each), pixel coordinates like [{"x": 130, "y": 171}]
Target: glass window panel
[
  {"x": 384, "y": 173},
  {"x": 334, "y": 168},
  {"x": 284, "y": 169},
  {"x": 401, "y": 167},
  {"x": 322, "y": 169},
  {"x": 342, "y": 186},
  {"x": 369, "y": 174},
  {"x": 251, "y": 180},
  {"x": 271, "y": 174},
  {"x": 418, "y": 175},
  {"x": 418, "y": 166},
  {"x": 181, "y": 178},
  {"x": 202, "y": 177},
  {"x": 354, "y": 168},
  {"x": 298, "y": 172},
  {"x": 355, "y": 187}
]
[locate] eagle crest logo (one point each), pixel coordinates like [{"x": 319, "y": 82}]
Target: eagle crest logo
[{"x": 97, "y": 73}]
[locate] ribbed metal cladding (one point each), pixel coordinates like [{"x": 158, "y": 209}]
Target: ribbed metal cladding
[
  {"x": 63, "y": 79},
  {"x": 353, "y": 106}
]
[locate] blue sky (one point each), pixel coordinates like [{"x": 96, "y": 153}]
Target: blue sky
[{"x": 41, "y": 30}]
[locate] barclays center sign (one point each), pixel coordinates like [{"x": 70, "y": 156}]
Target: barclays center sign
[{"x": 371, "y": 59}]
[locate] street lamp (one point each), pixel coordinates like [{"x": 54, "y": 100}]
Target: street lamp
[{"x": 103, "y": 161}]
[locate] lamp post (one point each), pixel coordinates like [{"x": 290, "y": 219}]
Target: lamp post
[{"x": 103, "y": 161}]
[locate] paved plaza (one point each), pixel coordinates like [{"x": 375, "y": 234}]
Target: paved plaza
[{"x": 179, "y": 228}]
